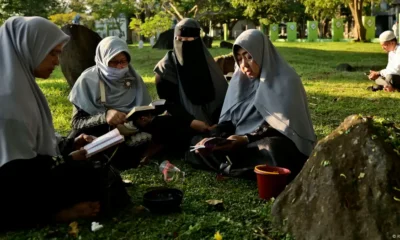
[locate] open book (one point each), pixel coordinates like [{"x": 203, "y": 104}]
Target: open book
[
  {"x": 104, "y": 142},
  {"x": 212, "y": 142},
  {"x": 156, "y": 107}
]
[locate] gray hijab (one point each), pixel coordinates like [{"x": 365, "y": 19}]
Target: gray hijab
[
  {"x": 167, "y": 69},
  {"x": 86, "y": 92},
  {"x": 26, "y": 126},
  {"x": 279, "y": 96}
]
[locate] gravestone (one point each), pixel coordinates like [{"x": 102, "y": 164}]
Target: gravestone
[
  {"x": 140, "y": 45},
  {"x": 273, "y": 32},
  {"x": 291, "y": 30},
  {"x": 312, "y": 31},
  {"x": 152, "y": 39},
  {"x": 337, "y": 29},
  {"x": 369, "y": 25},
  {"x": 345, "y": 67},
  {"x": 78, "y": 54},
  {"x": 208, "y": 41},
  {"x": 165, "y": 40},
  {"x": 225, "y": 31},
  {"x": 224, "y": 44},
  {"x": 226, "y": 63},
  {"x": 349, "y": 188}
]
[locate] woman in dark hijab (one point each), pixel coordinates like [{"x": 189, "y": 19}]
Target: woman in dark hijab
[
  {"x": 266, "y": 109},
  {"x": 190, "y": 81}
]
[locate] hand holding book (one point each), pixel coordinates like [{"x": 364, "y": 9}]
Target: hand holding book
[
  {"x": 207, "y": 145},
  {"x": 104, "y": 142}
]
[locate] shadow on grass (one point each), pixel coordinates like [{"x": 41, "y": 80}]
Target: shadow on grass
[{"x": 316, "y": 60}]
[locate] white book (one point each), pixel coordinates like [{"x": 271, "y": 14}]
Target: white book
[{"x": 104, "y": 142}]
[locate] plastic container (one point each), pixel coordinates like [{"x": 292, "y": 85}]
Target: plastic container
[
  {"x": 270, "y": 180},
  {"x": 170, "y": 172}
]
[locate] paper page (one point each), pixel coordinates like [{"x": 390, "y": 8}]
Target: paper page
[{"x": 102, "y": 139}]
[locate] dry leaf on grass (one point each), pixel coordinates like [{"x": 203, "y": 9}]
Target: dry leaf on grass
[{"x": 74, "y": 231}]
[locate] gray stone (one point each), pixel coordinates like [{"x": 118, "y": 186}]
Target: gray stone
[
  {"x": 345, "y": 67},
  {"x": 226, "y": 63},
  {"x": 78, "y": 54},
  {"x": 225, "y": 44},
  {"x": 348, "y": 189}
]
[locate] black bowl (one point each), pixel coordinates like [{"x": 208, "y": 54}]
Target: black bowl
[{"x": 163, "y": 200}]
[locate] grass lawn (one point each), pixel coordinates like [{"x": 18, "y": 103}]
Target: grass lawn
[{"x": 332, "y": 96}]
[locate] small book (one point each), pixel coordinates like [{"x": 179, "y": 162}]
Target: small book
[
  {"x": 212, "y": 142},
  {"x": 156, "y": 107},
  {"x": 104, "y": 142}
]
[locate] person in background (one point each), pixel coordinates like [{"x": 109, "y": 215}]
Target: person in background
[{"x": 388, "y": 78}]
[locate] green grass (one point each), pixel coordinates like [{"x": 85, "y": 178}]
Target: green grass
[{"x": 332, "y": 96}]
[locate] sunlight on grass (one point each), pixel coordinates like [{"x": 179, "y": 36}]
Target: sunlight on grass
[{"x": 332, "y": 96}]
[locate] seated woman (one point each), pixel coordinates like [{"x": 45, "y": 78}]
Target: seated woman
[
  {"x": 190, "y": 80},
  {"x": 42, "y": 178},
  {"x": 105, "y": 93},
  {"x": 265, "y": 112}
]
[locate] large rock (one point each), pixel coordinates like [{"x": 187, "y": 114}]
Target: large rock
[
  {"x": 225, "y": 44},
  {"x": 165, "y": 40},
  {"x": 208, "y": 41},
  {"x": 78, "y": 54},
  {"x": 349, "y": 188},
  {"x": 345, "y": 67}
]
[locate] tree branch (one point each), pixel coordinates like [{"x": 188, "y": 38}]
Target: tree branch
[
  {"x": 193, "y": 9},
  {"x": 171, "y": 13},
  {"x": 208, "y": 13},
  {"x": 176, "y": 11}
]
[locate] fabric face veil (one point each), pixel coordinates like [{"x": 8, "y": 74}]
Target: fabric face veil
[
  {"x": 26, "y": 126},
  {"x": 202, "y": 85},
  {"x": 279, "y": 98}
]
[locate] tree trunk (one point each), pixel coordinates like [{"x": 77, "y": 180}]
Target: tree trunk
[{"x": 356, "y": 12}]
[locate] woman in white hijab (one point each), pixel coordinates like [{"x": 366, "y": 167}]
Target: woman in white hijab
[
  {"x": 41, "y": 179},
  {"x": 123, "y": 89},
  {"x": 265, "y": 111}
]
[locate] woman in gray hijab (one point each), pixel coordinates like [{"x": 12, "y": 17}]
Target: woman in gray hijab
[
  {"x": 105, "y": 93},
  {"x": 190, "y": 81},
  {"x": 42, "y": 178},
  {"x": 265, "y": 112}
]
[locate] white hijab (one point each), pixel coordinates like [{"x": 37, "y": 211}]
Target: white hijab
[
  {"x": 278, "y": 95},
  {"x": 26, "y": 126}
]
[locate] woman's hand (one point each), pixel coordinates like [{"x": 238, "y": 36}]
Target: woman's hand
[
  {"x": 240, "y": 141},
  {"x": 199, "y": 126},
  {"x": 82, "y": 140},
  {"x": 78, "y": 155},
  {"x": 114, "y": 117},
  {"x": 203, "y": 151}
]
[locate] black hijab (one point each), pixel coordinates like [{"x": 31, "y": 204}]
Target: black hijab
[{"x": 192, "y": 66}]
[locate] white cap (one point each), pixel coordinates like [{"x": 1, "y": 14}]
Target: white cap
[{"x": 386, "y": 36}]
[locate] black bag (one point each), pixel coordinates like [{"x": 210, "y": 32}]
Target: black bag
[{"x": 115, "y": 195}]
